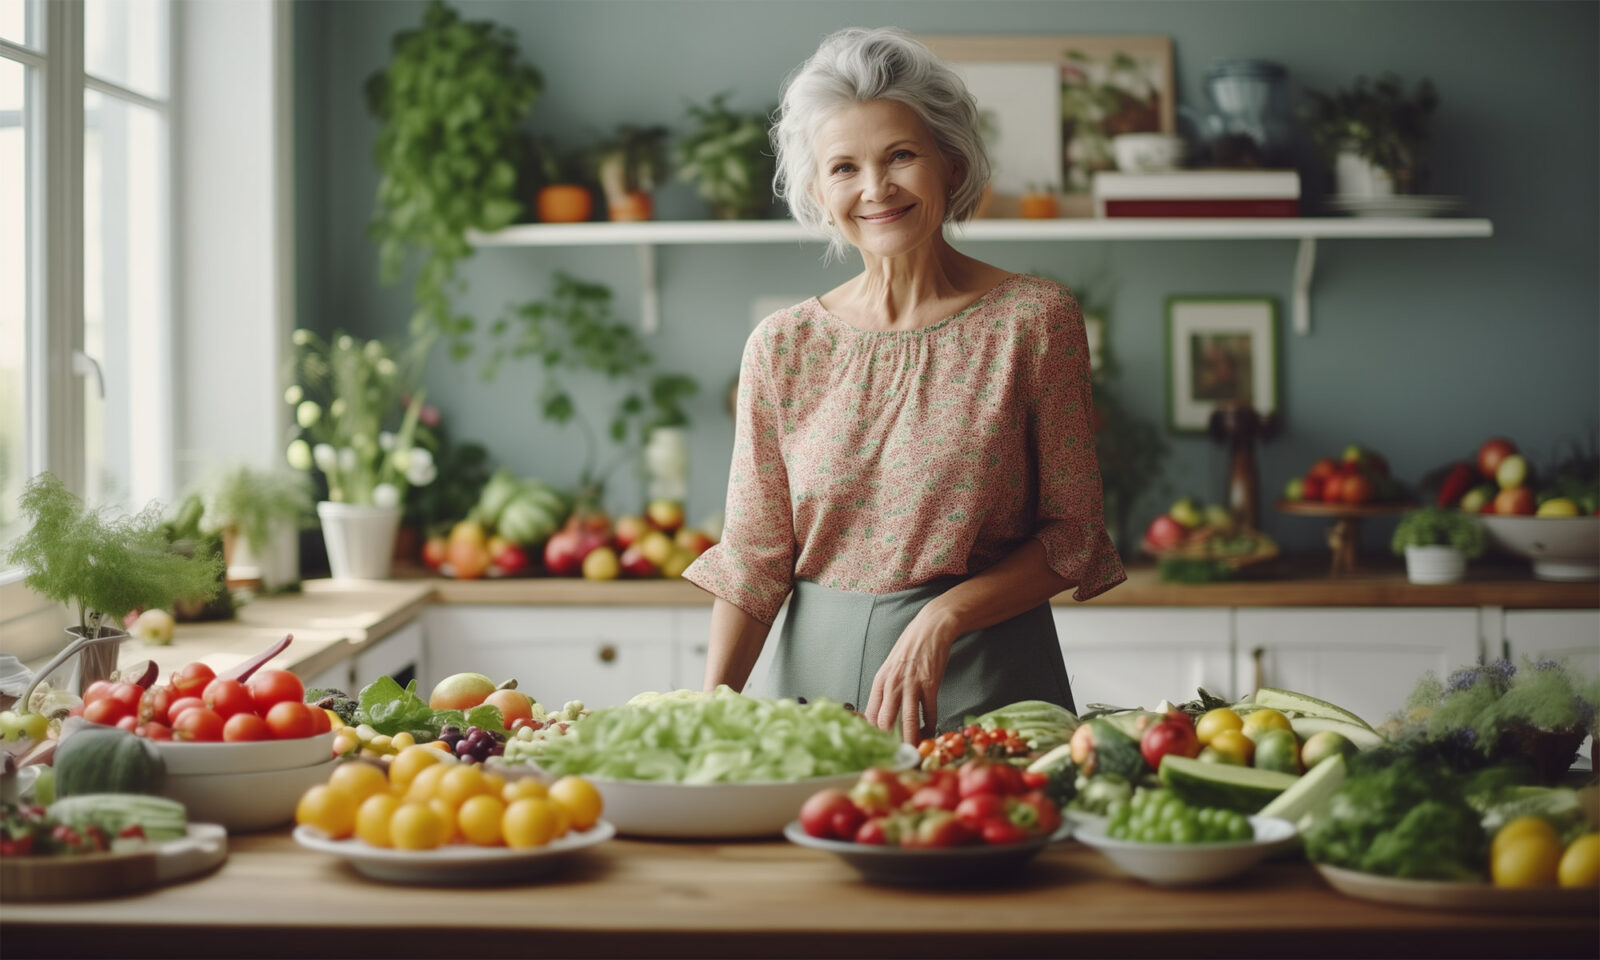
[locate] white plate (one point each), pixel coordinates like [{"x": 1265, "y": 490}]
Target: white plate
[
  {"x": 186, "y": 757},
  {"x": 1399, "y": 205},
  {"x": 244, "y": 802},
  {"x": 650, "y": 808},
  {"x": 1187, "y": 864},
  {"x": 923, "y": 867},
  {"x": 1443, "y": 895},
  {"x": 456, "y": 863}
]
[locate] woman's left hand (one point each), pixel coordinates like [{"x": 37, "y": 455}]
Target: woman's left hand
[{"x": 907, "y": 685}]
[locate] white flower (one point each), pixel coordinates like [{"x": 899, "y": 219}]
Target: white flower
[
  {"x": 421, "y": 472},
  {"x": 307, "y": 413},
  {"x": 300, "y": 337},
  {"x": 324, "y": 457},
  {"x": 293, "y": 395},
  {"x": 336, "y": 408},
  {"x": 345, "y": 343},
  {"x": 385, "y": 495},
  {"x": 386, "y": 441},
  {"x": 299, "y": 455},
  {"x": 385, "y": 367},
  {"x": 347, "y": 459},
  {"x": 374, "y": 350},
  {"x": 421, "y": 455}
]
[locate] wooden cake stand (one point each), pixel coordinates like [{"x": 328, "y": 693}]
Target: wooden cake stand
[{"x": 1344, "y": 537}]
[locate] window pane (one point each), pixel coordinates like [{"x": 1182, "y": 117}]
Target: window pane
[
  {"x": 125, "y": 41},
  {"x": 14, "y": 267},
  {"x": 127, "y": 434},
  {"x": 21, "y": 21}
]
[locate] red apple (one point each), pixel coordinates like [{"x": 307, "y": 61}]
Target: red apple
[
  {"x": 666, "y": 515},
  {"x": 1333, "y": 488},
  {"x": 1491, "y": 453},
  {"x": 1356, "y": 489},
  {"x": 694, "y": 541},
  {"x": 629, "y": 528},
  {"x": 563, "y": 555},
  {"x": 1164, "y": 533},
  {"x": 1325, "y": 467},
  {"x": 433, "y": 551},
  {"x": 509, "y": 557},
  {"x": 1312, "y": 487},
  {"x": 636, "y": 564},
  {"x": 1516, "y": 501}
]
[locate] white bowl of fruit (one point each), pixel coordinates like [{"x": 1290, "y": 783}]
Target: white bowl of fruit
[{"x": 1561, "y": 548}]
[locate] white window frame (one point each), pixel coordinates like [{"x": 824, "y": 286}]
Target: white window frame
[{"x": 57, "y": 365}]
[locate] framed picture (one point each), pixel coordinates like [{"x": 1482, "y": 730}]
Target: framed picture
[
  {"x": 1220, "y": 351},
  {"x": 1096, "y": 87}
]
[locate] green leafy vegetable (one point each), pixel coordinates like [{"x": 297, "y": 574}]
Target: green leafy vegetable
[
  {"x": 722, "y": 737},
  {"x": 390, "y": 709}
]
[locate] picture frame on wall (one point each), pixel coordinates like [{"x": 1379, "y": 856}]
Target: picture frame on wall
[
  {"x": 1221, "y": 351},
  {"x": 1099, "y": 87}
]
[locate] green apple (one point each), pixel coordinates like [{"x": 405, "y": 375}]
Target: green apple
[
  {"x": 1186, "y": 512},
  {"x": 1473, "y": 500},
  {"x": 1512, "y": 471},
  {"x": 19, "y": 726},
  {"x": 1295, "y": 489},
  {"x": 1219, "y": 517},
  {"x": 1354, "y": 453}
]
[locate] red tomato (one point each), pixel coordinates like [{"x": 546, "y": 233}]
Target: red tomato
[
  {"x": 97, "y": 690},
  {"x": 246, "y": 726},
  {"x": 106, "y": 711},
  {"x": 228, "y": 697},
  {"x": 290, "y": 720},
  {"x": 268, "y": 687},
  {"x": 128, "y": 694},
  {"x": 155, "y": 704},
  {"x": 974, "y": 810},
  {"x": 153, "y": 731},
  {"x": 192, "y": 679},
  {"x": 320, "y": 721},
  {"x": 827, "y": 810},
  {"x": 177, "y": 707},
  {"x": 127, "y": 722},
  {"x": 1047, "y": 816},
  {"x": 200, "y": 723},
  {"x": 998, "y": 830}
]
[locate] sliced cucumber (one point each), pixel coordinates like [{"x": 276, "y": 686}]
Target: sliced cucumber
[
  {"x": 1363, "y": 736},
  {"x": 1289, "y": 701},
  {"x": 1309, "y": 792},
  {"x": 1202, "y": 784}
]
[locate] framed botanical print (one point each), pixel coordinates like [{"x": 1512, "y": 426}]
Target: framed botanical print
[{"x": 1221, "y": 351}]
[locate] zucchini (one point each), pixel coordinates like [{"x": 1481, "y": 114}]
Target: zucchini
[
  {"x": 1201, "y": 784},
  {"x": 160, "y": 818},
  {"x": 97, "y": 759},
  {"x": 1362, "y": 736}
]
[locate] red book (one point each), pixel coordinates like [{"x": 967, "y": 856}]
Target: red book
[{"x": 1204, "y": 207}]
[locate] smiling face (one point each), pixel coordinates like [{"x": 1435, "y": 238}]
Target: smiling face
[{"x": 881, "y": 178}]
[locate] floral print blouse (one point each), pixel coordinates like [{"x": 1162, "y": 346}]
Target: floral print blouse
[{"x": 875, "y": 461}]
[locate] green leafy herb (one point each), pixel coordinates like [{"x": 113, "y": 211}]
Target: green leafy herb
[
  {"x": 727, "y": 154},
  {"x": 390, "y": 709},
  {"x": 1437, "y": 526}
]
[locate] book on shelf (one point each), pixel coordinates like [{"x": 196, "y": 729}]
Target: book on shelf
[{"x": 1198, "y": 193}]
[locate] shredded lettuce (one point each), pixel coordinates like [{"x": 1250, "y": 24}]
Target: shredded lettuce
[{"x": 721, "y": 737}]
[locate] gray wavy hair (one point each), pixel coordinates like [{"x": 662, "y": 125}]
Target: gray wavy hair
[{"x": 857, "y": 65}]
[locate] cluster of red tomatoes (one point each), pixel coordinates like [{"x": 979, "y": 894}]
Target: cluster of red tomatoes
[{"x": 198, "y": 705}]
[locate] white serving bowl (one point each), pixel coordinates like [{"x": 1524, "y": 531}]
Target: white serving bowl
[
  {"x": 243, "y": 802},
  {"x": 1189, "y": 864},
  {"x": 254, "y": 756},
  {"x": 649, "y": 808},
  {"x": 1561, "y": 548},
  {"x": 1147, "y": 152}
]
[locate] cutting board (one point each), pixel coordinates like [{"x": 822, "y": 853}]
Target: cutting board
[{"x": 89, "y": 875}]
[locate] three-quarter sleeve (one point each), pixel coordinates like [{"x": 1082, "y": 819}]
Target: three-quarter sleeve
[
  {"x": 1071, "y": 517},
  {"x": 752, "y": 567}
]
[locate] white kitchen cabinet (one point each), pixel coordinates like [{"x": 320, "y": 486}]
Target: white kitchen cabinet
[
  {"x": 600, "y": 655},
  {"x": 336, "y": 677},
  {"x": 1131, "y": 657},
  {"x": 1367, "y": 661},
  {"x": 1570, "y": 635}
]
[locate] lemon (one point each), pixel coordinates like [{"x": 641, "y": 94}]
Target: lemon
[
  {"x": 1528, "y": 860},
  {"x": 1215, "y": 722},
  {"x": 1521, "y": 827},
  {"x": 1557, "y": 507},
  {"x": 1580, "y": 865},
  {"x": 1260, "y": 721},
  {"x": 1234, "y": 745}
]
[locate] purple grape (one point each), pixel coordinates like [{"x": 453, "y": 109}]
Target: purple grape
[{"x": 463, "y": 749}]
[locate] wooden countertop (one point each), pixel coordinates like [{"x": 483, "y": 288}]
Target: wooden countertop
[{"x": 631, "y": 898}]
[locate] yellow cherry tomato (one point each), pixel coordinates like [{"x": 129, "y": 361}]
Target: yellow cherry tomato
[
  {"x": 480, "y": 820},
  {"x": 493, "y": 783},
  {"x": 460, "y": 783},
  {"x": 414, "y": 826},
  {"x": 328, "y": 809},
  {"x": 1259, "y": 721},
  {"x": 1580, "y": 865},
  {"x": 425, "y": 785},
  {"x": 1531, "y": 860},
  {"x": 580, "y": 799},
  {"x": 530, "y": 822},
  {"x": 447, "y": 820},
  {"x": 373, "y": 818},
  {"x": 361, "y": 779},
  {"x": 1215, "y": 722},
  {"x": 410, "y": 762},
  {"x": 1235, "y": 745},
  {"x": 526, "y": 788}
]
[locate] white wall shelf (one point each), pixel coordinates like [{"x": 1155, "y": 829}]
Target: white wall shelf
[{"x": 1307, "y": 230}]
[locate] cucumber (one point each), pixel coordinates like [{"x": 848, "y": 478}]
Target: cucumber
[
  {"x": 161, "y": 818},
  {"x": 1201, "y": 784},
  {"x": 1309, "y": 792},
  {"x": 1288, "y": 701},
  {"x": 1362, "y": 736}
]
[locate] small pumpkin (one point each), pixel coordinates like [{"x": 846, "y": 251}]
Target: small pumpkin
[{"x": 100, "y": 759}]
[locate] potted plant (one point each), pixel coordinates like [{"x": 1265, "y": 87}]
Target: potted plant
[
  {"x": 629, "y": 167},
  {"x": 561, "y": 189},
  {"x": 252, "y": 510},
  {"x": 1437, "y": 543},
  {"x": 451, "y": 102},
  {"x": 728, "y": 156},
  {"x": 103, "y": 566},
  {"x": 1374, "y": 135},
  {"x": 356, "y": 409}
]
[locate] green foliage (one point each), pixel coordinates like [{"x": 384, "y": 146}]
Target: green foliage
[
  {"x": 463, "y": 471},
  {"x": 104, "y": 566},
  {"x": 451, "y": 101},
  {"x": 1380, "y": 121},
  {"x": 1490, "y": 710},
  {"x": 633, "y": 159},
  {"x": 728, "y": 155},
  {"x": 1438, "y": 527},
  {"x": 574, "y": 332},
  {"x": 255, "y": 501}
]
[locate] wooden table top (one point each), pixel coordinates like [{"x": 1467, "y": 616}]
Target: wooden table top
[{"x": 683, "y": 899}]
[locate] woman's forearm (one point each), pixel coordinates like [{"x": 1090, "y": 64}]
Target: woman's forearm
[
  {"x": 1015, "y": 585},
  {"x": 736, "y": 641}
]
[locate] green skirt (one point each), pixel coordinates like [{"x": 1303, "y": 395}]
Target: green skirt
[{"x": 834, "y": 641}]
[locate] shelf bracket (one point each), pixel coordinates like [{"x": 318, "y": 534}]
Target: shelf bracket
[
  {"x": 1305, "y": 265},
  {"x": 649, "y": 290}
]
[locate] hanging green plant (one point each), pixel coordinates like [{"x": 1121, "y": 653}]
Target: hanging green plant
[{"x": 451, "y": 101}]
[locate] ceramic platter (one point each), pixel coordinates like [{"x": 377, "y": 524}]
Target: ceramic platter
[
  {"x": 1399, "y": 205},
  {"x": 456, "y": 864},
  {"x": 1442, "y": 895},
  {"x": 944, "y": 866}
]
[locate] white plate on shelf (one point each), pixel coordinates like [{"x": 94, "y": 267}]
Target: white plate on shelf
[
  {"x": 1189, "y": 864},
  {"x": 1399, "y": 205},
  {"x": 1446, "y": 895},
  {"x": 457, "y": 863}
]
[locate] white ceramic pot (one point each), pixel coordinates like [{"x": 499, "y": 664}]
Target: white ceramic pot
[
  {"x": 360, "y": 539},
  {"x": 1434, "y": 564},
  {"x": 1358, "y": 178}
]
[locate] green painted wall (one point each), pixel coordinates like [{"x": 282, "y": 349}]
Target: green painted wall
[{"x": 1420, "y": 349}]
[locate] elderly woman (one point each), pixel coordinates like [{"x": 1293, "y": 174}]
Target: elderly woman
[{"x": 914, "y": 458}]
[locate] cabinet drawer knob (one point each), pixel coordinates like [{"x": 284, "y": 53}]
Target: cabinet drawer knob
[{"x": 608, "y": 653}]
